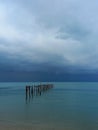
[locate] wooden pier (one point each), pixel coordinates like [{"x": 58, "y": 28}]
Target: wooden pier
[{"x": 37, "y": 89}]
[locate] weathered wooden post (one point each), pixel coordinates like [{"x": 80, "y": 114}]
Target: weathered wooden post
[{"x": 32, "y": 91}]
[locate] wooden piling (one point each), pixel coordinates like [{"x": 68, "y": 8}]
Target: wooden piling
[{"x": 37, "y": 90}]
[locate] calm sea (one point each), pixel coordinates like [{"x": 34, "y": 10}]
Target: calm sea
[{"x": 73, "y": 106}]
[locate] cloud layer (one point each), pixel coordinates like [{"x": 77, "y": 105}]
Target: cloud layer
[{"x": 60, "y": 33}]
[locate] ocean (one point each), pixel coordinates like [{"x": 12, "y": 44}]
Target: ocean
[{"x": 67, "y": 106}]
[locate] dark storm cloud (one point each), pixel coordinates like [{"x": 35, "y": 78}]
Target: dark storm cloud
[{"x": 60, "y": 33}]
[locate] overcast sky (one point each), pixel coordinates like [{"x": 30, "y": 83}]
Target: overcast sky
[{"x": 41, "y": 34}]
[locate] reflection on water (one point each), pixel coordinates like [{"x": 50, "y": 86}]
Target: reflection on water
[
  {"x": 29, "y": 96},
  {"x": 32, "y": 91}
]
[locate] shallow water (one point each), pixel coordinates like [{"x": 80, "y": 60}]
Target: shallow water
[{"x": 70, "y": 106}]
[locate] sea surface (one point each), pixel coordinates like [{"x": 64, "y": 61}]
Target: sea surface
[{"x": 68, "y": 106}]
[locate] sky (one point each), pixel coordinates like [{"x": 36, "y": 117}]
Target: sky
[{"x": 48, "y": 38}]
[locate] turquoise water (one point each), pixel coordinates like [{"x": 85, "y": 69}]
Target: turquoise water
[{"x": 69, "y": 105}]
